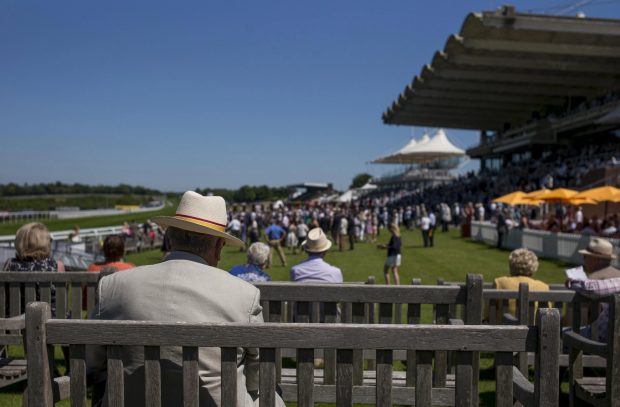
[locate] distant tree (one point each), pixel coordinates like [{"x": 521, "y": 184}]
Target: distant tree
[{"x": 360, "y": 180}]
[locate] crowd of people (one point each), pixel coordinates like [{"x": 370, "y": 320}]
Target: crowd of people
[{"x": 188, "y": 286}]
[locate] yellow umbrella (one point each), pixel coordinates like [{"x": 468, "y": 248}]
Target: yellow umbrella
[
  {"x": 601, "y": 194},
  {"x": 513, "y": 198},
  {"x": 559, "y": 195},
  {"x": 576, "y": 201}
]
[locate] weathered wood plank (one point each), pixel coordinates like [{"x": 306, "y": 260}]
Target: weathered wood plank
[
  {"x": 612, "y": 387},
  {"x": 464, "y": 379},
  {"x": 358, "y": 317},
  {"x": 152, "y": 376},
  {"x": 39, "y": 375},
  {"x": 523, "y": 317},
  {"x": 287, "y": 291},
  {"x": 422, "y": 337},
  {"x": 275, "y": 315},
  {"x": 331, "y": 316},
  {"x": 76, "y": 300},
  {"x": 45, "y": 291},
  {"x": 413, "y": 318},
  {"x": 442, "y": 314},
  {"x": 344, "y": 378},
  {"x": 384, "y": 378},
  {"x": 503, "y": 379},
  {"x": 473, "y": 316},
  {"x": 30, "y": 292},
  {"x": 305, "y": 377},
  {"x": 78, "y": 375},
  {"x": 115, "y": 384},
  {"x": 267, "y": 382},
  {"x": 229, "y": 376},
  {"x": 49, "y": 276},
  {"x": 424, "y": 375},
  {"x": 547, "y": 367},
  {"x": 61, "y": 301},
  {"x": 90, "y": 297},
  {"x": 15, "y": 293},
  {"x": 190, "y": 376}
]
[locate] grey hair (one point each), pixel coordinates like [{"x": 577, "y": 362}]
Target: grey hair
[
  {"x": 258, "y": 254},
  {"x": 197, "y": 243}
]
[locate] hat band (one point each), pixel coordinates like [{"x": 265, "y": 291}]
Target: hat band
[
  {"x": 204, "y": 222},
  {"x": 598, "y": 253}
]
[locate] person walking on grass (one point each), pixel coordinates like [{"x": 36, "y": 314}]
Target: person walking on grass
[{"x": 393, "y": 255}]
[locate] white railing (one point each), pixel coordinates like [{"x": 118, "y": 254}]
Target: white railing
[{"x": 560, "y": 246}]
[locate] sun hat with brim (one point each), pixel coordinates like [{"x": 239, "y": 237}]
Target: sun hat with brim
[
  {"x": 200, "y": 214},
  {"x": 600, "y": 248},
  {"x": 316, "y": 242}
]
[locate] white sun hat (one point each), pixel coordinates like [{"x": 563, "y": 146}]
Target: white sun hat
[
  {"x": 200, "y": 214},
  {"x": 316, "y": 242}
]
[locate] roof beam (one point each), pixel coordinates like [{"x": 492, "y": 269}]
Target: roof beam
[
  {"x": 547, "y": 23},
  {"x": 548, "y": 48},
  {"x": 452, "y": 124},
  {"x": 489, "y": 96},
  {"x": 564, "y": 65},
  {"x": 464, "y": 109},
  {"x": 485, "y": 104}
]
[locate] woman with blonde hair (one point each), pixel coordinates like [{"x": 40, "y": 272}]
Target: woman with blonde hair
[
  {"x": 33, "y": 250},
  {"x": 523, "y": 264}
]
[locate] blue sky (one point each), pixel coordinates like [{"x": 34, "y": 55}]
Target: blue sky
[{"x": 178, "y": 95}]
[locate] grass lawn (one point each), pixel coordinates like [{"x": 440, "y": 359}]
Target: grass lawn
[
  {"x": 92, "y": 222},
  {"x": 451, "y": 258}
]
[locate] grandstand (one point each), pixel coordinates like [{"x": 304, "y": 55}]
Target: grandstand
[{"x": 543, "y": 91}]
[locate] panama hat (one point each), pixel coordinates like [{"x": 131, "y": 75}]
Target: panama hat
[
  {"x": 599, "y": 248},
  {"x": 316, "y": 242},
  {"x": 200, "y": 214}
]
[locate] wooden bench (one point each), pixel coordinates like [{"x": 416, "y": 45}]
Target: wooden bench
[
  {"x": 598, "y": 391},
  {"x": 368, "y": 304},
  {"x": 11, "y": 370},
  {"x": 423, "y": 340}
]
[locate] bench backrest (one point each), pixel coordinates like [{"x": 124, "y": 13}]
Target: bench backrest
[
  {"x": 19, "y": 288},
  {"x": 422, "y": 339}
]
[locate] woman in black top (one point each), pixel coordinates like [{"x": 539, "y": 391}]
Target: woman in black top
[{"x": 393, "y": 255}]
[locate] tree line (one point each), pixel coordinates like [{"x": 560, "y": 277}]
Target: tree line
[
  {"x": 59, "y": 188},
  {"x": 249, "y": 193}
]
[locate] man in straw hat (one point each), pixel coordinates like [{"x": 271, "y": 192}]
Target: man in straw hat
[
  {"x": 315, "y": 268},
  {"x": 597, "y": 259},
  {"x": 186, "y": 287}
]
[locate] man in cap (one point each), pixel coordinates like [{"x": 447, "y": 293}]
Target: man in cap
[
  {"x": 186, "y": 287},
  {"x": 597, "y": 259},
  {"x": 315, "y": 268}
]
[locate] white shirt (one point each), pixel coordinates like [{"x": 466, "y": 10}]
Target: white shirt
[{"x": 425, "y": 223}]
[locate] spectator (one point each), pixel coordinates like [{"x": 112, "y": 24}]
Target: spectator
[
  {"x": 113, "y": 252},
  {"x": 597, "y": 259},
  {"x": 33, "y": 250},
  {"x": 275, "y": 234},
  {"x": 392, "y": 263},
  {"x": 258, "y": 257},
  {"x": 291, "y": 239},
  {"x": 343, "y": 232},
  {"x": 596, "y": 289},
  {"x": 187, "y": 286},
  {"x": 315, "y": 268},
  {"x": 523, "y": 264}
]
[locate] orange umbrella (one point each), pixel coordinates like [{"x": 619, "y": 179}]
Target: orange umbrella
[
  {"x": 601, "y": 194},
  {"x": 559, "y": 195},
  {"x": 581, "y": 201},
  {"x": 514, "y": 198}
]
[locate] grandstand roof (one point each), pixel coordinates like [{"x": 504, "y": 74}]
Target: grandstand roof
[
  {"x": 504, "y": 65},
  {"x": 396, "y": 157}
]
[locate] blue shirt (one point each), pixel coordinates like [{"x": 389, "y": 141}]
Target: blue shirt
[
  {"x": 317, "y": 270},
  {"x": 249, "y": 273},
  {"x": 274, "y": 232}
]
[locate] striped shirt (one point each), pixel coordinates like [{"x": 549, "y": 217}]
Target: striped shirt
[{"x": 596, "y": 289}]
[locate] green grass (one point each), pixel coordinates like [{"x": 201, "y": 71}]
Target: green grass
[
  {"x": 92, "y": 222},
  {"x": 451, "y": 258}
]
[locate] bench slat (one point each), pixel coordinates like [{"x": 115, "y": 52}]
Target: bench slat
[
  {"x": 423, "y": 375},
  {"x": 78, "y": 375},
  {"x": 305, "y": 377},
  {"x": 115, "y": 385},
  {"x": 76, "y": 300},
  {"x": 30, "y": 292},
  {"x": 331, "y": 316},
  {"x": 422, "y": 337},
  {"x": 464, "y": 379},
  {"x": 344, "y": 378},
  {"x": 267, "y": 378},
  {"x": 503, "y": 378},
  {"x": 152, "y": 376},
  {"x": 45, "y": 289},
  {"x": 229, "y": 376},
  {"x": 190, "y": 376},
  {"x": 384, "y": 378},
  {"x": 442, "y": 314},
  {"x": 358, "y": 317}
]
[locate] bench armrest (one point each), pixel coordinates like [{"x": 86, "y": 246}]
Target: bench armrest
[
  {"x": 61, "y": 388},
  {"x": 522, "y": 388},
  {"x": 455, "y": 321},
  {"x": 574, "y": 340},
  {"x": 508, "y": 319},
  {"x": 13, "y": 323}
]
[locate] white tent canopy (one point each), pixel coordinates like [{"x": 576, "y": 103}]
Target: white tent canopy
[
  {"x": 427, "y": 149},
  {"x": 396, "y": 157},
  {"x": 437, "y": 148}
]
